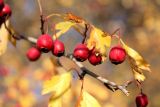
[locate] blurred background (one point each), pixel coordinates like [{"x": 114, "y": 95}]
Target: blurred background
[{"x": 139, "y": 20}]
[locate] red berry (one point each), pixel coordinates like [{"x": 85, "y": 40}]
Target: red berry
[
  {"x": 95, "y": 58},
  {"x": 141, "y": 100},
  {"x": 6, "y": 11},
  {"x": 33, "y": 54},
  {"x": 58, "y": 48},
  {"x": 1, "y": 4},
  {"x": 81, "y": 52},
  {"x": 117, "y": 55},
  {"x": 45, "y": 43}
]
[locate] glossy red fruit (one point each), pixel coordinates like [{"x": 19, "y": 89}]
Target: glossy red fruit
[
  {"x": 117, "y": 55},
  {"x": 141, "y": 100},
  {"x": 58, "y": 48},
  {"x": 81, "y": 52},
  {"x": 6, "y": 11},
  {"x": 33, "y": 54},
  {"x": 1, "y": 4},
  {"x": 95, "y": 58},
  {"x": 45, "y": 43}
]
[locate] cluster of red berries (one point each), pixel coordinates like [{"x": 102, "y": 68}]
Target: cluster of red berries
[
  {"x": 45, "y": 44},
  {"x": 116, "y": 55},
  {"x": 81, "y": 52},
  {"x": 5, "y": 11},
  {"x": 141, "y": 100}
]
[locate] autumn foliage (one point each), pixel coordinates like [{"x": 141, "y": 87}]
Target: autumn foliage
[{"x": 96, "y": 47}]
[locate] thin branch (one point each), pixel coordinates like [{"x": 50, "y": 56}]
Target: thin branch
[
  {"x": 20, "y": 37},
  {"x": 42, "y": 19},
  {"x": 85, "y": 33},
  {"x": 109, "y": 84},
  {"x": 40, "y": 6},
  {"x": 42, "y": 24}
]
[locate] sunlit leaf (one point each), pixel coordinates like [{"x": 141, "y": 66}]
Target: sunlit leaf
[
  {"x": 3, "y": 38},
  {"x": 63, "y": 27},
  {"x": 88, "y": 101},
  {"x": 55, "y": 102},
  {"x": 139, "y": 76},
  {"x": 58, "y": 84},
  {"x": 100, "y": 40},
  {"x": 137, "y": 63}
]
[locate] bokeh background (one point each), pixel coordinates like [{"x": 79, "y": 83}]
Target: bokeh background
[{"x": 139, "y": 20}]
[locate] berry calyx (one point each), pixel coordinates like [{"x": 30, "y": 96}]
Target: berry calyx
[
  {"x": 45, "y": 43},
  {"x": 33, "y": 54},
  {"x": 1, "y": 4},
  {"x": 95, "y": 58},
  {"x": 81, "y": 52},
  {"x": 141, "y": 100},
  {"x": 58, "y": 48},
  {"x": 6, "y": 11},
  {"x": 117, "y": 55}
]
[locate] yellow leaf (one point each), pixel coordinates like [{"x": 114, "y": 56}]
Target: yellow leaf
[
  {"x": 88, "y": 101},
  {"x": 63, "y": 27},
  {"x": 27, "y": 100},
  {"x": 137, "y": 62},
  {"x": 58, "y": 84},
  {"x": 3, "y": 38},
  {"x": 55, "y": 102},
  {"x": 139, "y": 76},
  {"x": 100, "y": 40}
]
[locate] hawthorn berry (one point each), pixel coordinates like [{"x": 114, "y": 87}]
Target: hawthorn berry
[
  {"x": 6, "y": 11},
  {"x": 141, "y": 100},
  {"x": 1, "y": 4},
  {"x": 45, "y": 43},
  {"x": 81, "y": 52},
  {"x": 117, "y": 55},
  {"x": 95, "y": 58},
  {"x": 33, "y": 54},
  {"x": 58, "y": 48}
]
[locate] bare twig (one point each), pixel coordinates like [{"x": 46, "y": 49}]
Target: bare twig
[{"x": 109, "y": 84}]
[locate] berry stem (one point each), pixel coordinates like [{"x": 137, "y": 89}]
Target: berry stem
[
  {"x": 85, "y": 33},
  {"x": 42, "y": 19},
  {"x": 117, "y": 36},
  {"x": 53, "y": 14},
  {"x": 54, "y": 31}
]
